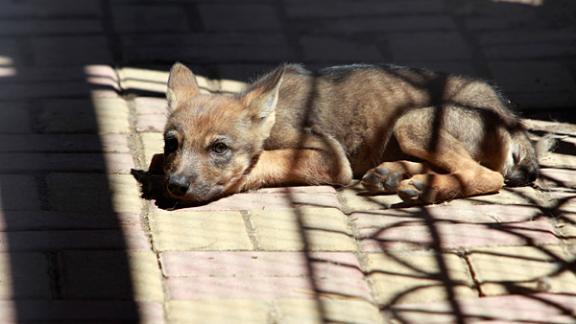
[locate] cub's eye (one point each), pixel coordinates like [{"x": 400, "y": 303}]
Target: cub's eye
[
  {"x": 219, "y": 148},
  {"x": 170, "y": 144}
]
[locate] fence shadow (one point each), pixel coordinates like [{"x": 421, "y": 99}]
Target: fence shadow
[
  {"x": 63, "y": 239},
  {"x": 317, "y": 27}
]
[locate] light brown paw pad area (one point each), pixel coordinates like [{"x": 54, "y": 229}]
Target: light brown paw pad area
[
  {"x": 381, "y": 180},
  {"x": 414, "y": 191}
]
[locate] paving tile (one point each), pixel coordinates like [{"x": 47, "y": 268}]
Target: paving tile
[
  {"x": 265, "y": 288},
  {"x": 272, "y": 199},
  {"x": 10, "y": 91},
  {"x": 514, "y": 21},
  {"x": 207, "y": 48},
  {"x": 153, "y": 143},
  {"x": 316, "y": 49},
  {"x": 557, "y": 160},
  {"x": 231, "y": 288},
  {"x": 532, "y": 76},
  {"x": 219, "y": 310},
  {"x": 233, "y": 17},
  {"x": 40, "y": 8},
  {"x": 311, "y": 229},
  {"x": 339, "y": 9},
  {"x": 154, "y": 81},
  {"x": 31, "y": 162},
  {"x": 233, "y": 86},
  {"x": 561, "y": 99},
  {"x": 149, "y": 18},
  {"x": 353, "y": 200},
  {"x": 461, "y": 67},
  {"x": 440, "y": 227},
  {"x": 312, "y": 190},
  {"x": 151, "y": 105},
  {"x": 80, "y": 311},
  {"x": 446, "y": 214},
  {"x": 281, "y": 310},
  {"x": 199, "y": 230},
  {"x": 545, "y": 308},
  {"x": 428, "y": 46},
  {"x": 151, "y": 123},
  {"x": 555, "y": 127},
  {"x": 213, "y": 273},
  {"x": 10, "y": 50},
  {"x": 242, "y": 72},
  {"x": 521, "y": 36},
  {"x": 505, "y": 270},
  {"x": 415, "y": 277},
  {"x": 470, "y": 8},
  {"x": 71, "y": 50},
  {"x": 566, "y": 224},
  {"x": 100, "y": 115},
  {"x": 38, "y": 220},
  {"x": 559, "y": 177},
  {"x": 14, "y": 118},
  {"x": 24, "y": 276},
  {"x": 29, "y": 83},
  {"x": 50, "y": 26},
  {"x": 19, "y": 192},
  {"x": 259, "y": 264},
  {"x": 54, "y": 143},
  {"x": 529, "y": 51},
  {"x": 93, "y": 192},
  {"x": 506, "y": 196},
  {"x": 389, "y": 24},
  {"x": 454, "y": 237},
  {"x": 333, "y": 311},
  {"x": 110, "y": 275},
  {"x": 130, "y": 238}
]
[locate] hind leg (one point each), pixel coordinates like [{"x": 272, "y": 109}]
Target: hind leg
[
  {"x": 433, "y": 188},
  {"x": 386, "y": 177},
  {"x": 465, "y": 176}
]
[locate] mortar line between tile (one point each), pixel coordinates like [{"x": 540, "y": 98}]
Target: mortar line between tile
[
  {"x": 362, "y": 260},
  {"x": 360, "y": 255},
  {"x": 54, "y": 275},
  {"x": 136, "y": 147},
  {"x": 250, "y": 229},
  {"x": 466, "y": 256}
]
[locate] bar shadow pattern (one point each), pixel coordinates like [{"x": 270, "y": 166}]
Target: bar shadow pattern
[{"x": 75, "y": 229}]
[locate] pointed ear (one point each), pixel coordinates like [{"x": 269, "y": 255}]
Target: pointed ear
[
  {"x": 262, "y": 96},
  {"x": 182, "y": 85}
]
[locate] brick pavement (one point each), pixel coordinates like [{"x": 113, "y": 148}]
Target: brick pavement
[{"x": 81, "y": 86}]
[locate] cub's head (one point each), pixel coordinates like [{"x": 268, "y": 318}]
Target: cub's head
[{"x": 212, "y": 141}]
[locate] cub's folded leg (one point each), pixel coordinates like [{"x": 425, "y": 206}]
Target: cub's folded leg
[
  {"x": 433, "y": 187},
  {"x": 386, "y": 177},
  {"x": 296, "y": 167},
  {"x": 464, "y": 176}
]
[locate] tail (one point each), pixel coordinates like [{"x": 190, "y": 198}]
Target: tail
[{"x": 524, "y": 169}]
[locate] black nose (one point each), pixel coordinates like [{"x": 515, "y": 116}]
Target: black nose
[{"x": 178, "y": 185}]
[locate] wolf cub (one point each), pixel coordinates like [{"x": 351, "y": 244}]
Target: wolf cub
[{"x": 429, "y": 137}]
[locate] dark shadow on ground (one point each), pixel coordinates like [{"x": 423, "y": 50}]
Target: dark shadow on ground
[
  {"x": 65, "y": 251},
  {"x": 45, "y": 209}
]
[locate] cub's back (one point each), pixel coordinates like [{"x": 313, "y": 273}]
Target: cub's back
[{"x": 359, "y": 104}]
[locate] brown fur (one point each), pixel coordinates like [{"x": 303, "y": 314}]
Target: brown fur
[{"x": 429, "y": 137}]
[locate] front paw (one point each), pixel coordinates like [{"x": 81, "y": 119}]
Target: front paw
[{"x": 381, "y": 180}]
